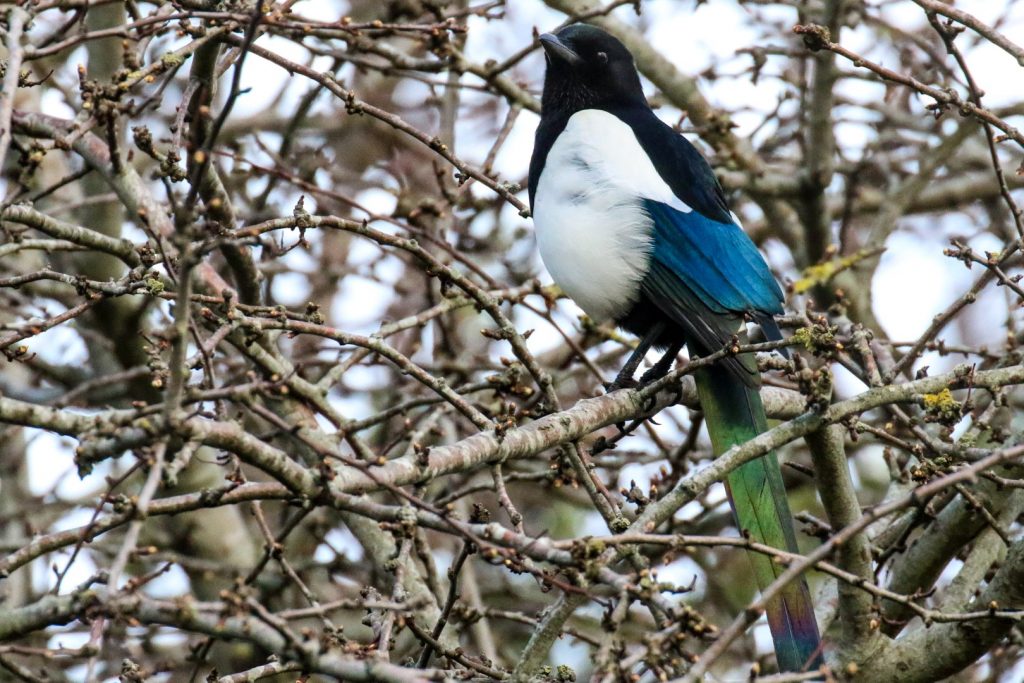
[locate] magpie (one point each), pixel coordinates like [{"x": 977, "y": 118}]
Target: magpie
[
  {"x": 631, "y": 221},
  {"x": 633, "y": 225}
]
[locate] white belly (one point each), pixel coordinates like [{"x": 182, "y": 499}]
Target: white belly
[{"x": 592, "y": 231}]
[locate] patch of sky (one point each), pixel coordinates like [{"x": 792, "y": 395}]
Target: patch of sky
[
  {"x": 131, "y": 231},
  {"x": 411, "y": 94},
  {"x": 51, "y": 461},
  {"x": 592, "y": 524},
  {"x": 167, "y": 638},
  {"x": 365, "y": 378},
  {"x": 362, "y": 252},
  {"x": 914, "y": 281},
  {"x": 352, "y": 407},
  {"x": 59, "y": 345},
  {"x": 852, "y": 137},
  {"x": 513, "y": 160},
  {"x": 362, "y": 302},
  {"x": 846, "y": 384},
  {"x": 545, "y": 337},
  {"x": 75, "y": 572},
  {"x": 267, "y": 86},
  {"x": 291, "y": 287},
  {"x": 70, "y": 640},
  {"x": 689, "y": 511},
  {"x": 779, "y": 258},
  {"x": 380, "y": 201},
  {"x": 694, "y": 41},
  {"x": 170, "y": 584},
  {"x": 53, "y": 103},
  {"x": 341, "y": 541},
  {"x": 573, "y": 653},
  {"x": 682, "y": 573}
]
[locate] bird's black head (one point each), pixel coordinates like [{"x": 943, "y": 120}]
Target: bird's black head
[{"x": 587, "y": 68}]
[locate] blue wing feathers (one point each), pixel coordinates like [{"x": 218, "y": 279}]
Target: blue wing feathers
[
  {"x": 717, "y": 261},
  {"x": 705, "y": 330}
]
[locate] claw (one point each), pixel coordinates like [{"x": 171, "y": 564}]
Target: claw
[
  {"x": 661, "y": 368},
  {"x": 620, "y": 383},
  {"x": 654, "y": 374}
]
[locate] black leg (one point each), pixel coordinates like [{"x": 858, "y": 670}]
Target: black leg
[
  {"x": 662, "y": 367},
  {"x": 625, "y": 376}
]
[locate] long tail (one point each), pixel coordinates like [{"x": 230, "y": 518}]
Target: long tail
[{"x": 734, "y": 414}]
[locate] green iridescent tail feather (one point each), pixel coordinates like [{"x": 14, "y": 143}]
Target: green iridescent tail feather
[{"x": 734, "y": 414}]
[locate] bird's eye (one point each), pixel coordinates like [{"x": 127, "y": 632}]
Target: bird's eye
[{"x": 602, "y": 57}]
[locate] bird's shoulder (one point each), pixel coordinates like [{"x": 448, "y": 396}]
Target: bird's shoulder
[{"x": 679, "y": 163}]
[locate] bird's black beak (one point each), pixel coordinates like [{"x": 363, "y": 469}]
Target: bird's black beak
[{"x": 559, "y": 51}]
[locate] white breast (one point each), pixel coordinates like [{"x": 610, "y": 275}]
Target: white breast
[{"x": 593, "y": 233}]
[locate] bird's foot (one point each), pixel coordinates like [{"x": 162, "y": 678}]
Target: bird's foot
[
  {"x": 656, "y": 372},
  {"x": 621, "y": 382}
]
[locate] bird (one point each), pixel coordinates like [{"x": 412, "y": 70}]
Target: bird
[{"x": 633, "y": 225}]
